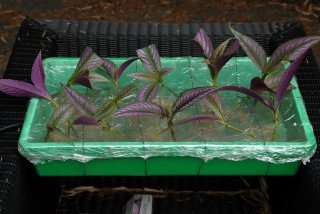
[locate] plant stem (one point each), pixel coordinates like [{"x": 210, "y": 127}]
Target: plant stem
[
  {"x": 173, "y": 135},
  {"x": 176, "y": 95},
  {"x": 54, "y": 103},
  {"x": 264, "y": 76},
  {"x": 238, "y": 105},
  {"x": 215, "y": 81},
  {"x": 105, "y": 126},
  {"x": 236, "y": 129},
  {"x": 276, "y": 125},
  {"x": 169, "y": 126},
  {"x": 73, "y": 77}
]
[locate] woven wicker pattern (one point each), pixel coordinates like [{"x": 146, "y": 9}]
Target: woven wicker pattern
[{"x": 62, "y": 38}]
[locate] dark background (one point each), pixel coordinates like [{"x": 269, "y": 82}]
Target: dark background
[{"x": 12, "y": 12}]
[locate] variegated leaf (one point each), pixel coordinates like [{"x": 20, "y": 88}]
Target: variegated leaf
[
  {"x": 190, "y": 97},
  {"x": 110, "y": 68},
  {"x": 60, "y": 115},
  {"x": 105, "y": 108},
  {"x": 85, "y": 120},
  {"x": 150, "y": 58},
  {"x": 37, "y": 74},
  {"x": 259, "y": 86},
  {"x": 287, "y": 77},
  {"x": 273, "y": 82},
  {"x": 204, "y": 41},
  {"x": 83, "y": 104},
  {"x": 291, "y": 50},
  {"x": 165, "y": 71},
  {"x": 142, "y": 109},
  {"x": 148, "y": 92},
  {"x": 125, "y": 92},
  {"x": 213, "y": 101},
  {"x": 229, "y": 53},
  {"x": 21, "y": 89},
  {"x": 147, "y": 76},
  {"x": 253, "y": 50},
  {"x": 123, "y": 67},
  {"x": 220, "y": 50}
]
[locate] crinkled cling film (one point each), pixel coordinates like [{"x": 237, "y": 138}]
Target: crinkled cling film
[{"x": 144, "y": 136}]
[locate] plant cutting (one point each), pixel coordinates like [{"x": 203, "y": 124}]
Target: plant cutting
[
  {"x": 88, "y": 113},
  {"x": 215, "y": 58},
  {"x": 120, "y": 105},
  {"x": 272, "y": 80},
  {"x": 150, "y": 58}
]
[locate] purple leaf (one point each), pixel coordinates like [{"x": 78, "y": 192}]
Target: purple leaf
[
  {"x": 110, "y": 68},
  {"x": 216, "y": 98},
  {"x": 205, "y": 43},
  {"x": 248, "y": 92},
  {"x": 125, "y": 92},
  {"x": 85, "y": 56},
  {"x": 291, "y": 50},
  {"x": 97, "y": 78},
  {"x": 147, "y": 76},
  {"x": 84, "y": 120},
  {"x": 253, "y": 50},
  {"x": 21, "y": 89},
  {"x": 37, "y": 74},
  {"x": 105, "y": 109},
  {"x": 81, "y": 102},
  {"x": 142, "y": 109},
  {"x": 259, "y": 86},
  {"x": 83, "y": 79},
  {"x": 273, "y": 82},
  {"x": 270, "y": 102},
  {"x": 230, "y": 52},
  {"x": 165, "y": 71},
  {"x": 148, "y": 92},
  {"x": 190, "y": 97},
  {"x": 123, "y": 67},
  {"x": 214, "y": 102},
  {"x": 287, "y": 77},
  {"x": 194, "y": 118},
  {"x": 60, "y": 115},
  {"x": 89, "y": 59},
  {"x": 150, "y": 58},
  {"x": 219, "y": 51},
  {"x": 86, "y": 78}
]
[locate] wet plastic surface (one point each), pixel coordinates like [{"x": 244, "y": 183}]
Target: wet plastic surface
[{"x": 198, "y": 149}]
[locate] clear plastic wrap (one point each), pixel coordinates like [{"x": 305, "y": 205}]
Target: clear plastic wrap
[{"x": 143, "y": 137}]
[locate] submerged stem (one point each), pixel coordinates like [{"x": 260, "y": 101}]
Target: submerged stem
[
  {"x": 238, "y": 105},
  {"x": 105, "y": 126},
  {"x": 169, "y": 126},
  {"x": 276, "y": 125},
  {"x": 173, "y": 135},
  {"x": 176, "y": 95},
  {"x": 237, "y": 129}
]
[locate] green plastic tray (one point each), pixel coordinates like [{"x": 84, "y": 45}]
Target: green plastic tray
[{"x": 164, "y": 158}]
